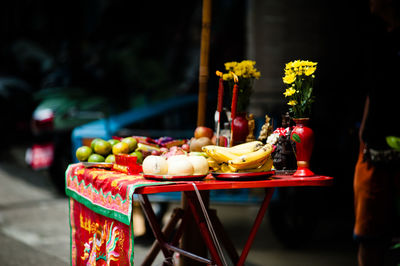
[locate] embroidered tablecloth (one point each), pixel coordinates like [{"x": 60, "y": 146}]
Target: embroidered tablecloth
[{"x": 100, "y": 215}]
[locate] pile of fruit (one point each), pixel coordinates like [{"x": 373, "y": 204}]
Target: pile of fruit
[
  {"x": 180, "y": 159},
  {"x": 167, "y": 156},
  {"x": 247, "y": 157},
  {"x": 101, "y": 150}
]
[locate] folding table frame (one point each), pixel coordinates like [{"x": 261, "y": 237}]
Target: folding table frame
[{"x": 167, "y": 239}]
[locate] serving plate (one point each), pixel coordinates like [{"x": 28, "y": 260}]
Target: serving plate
[
  {"x": 243, "y": 176},
  {"x": 97, "y": 165},
  {"x": 174, "y": 177}
]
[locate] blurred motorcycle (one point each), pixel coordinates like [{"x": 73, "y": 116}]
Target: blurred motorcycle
[{"x": 58, "y": 112}]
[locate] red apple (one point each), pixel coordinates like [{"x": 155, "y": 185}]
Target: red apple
[
  {"x": 202, "y": 131},
  {"x": 180, "y": 151},
  {"x": 155, "y": 152},
  {"x": 163, "y": 150},
  {"x": 174, "y": 151},
  {"x": 185, "y": 147},
  {"x": 173, "y": 148}
]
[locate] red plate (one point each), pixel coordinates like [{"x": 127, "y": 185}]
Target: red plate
[
  {"x": 175, "y": 177},
  {"x": 243, "y": 176}
]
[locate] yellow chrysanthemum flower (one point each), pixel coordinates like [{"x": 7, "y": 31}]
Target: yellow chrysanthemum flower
[
  {"x": 296, "y": 64},
  {"x": 288, "y": 72},
  {"x": 310, "y": 70},
  {"x": 289, "y": 79},
  {"x": 227, "y": 76},
  {"x": 288, "y": 65},
  {"x": 289, "y": 92},
  {"x": 244, "y": 70},
  {"x": 230, "y": 65},
  {"x": 299, "y": 75},
  {"x": 240, "y": 73}
]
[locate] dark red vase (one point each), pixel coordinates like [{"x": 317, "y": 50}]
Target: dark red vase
[
  {"x": 240, "y": 129},
  {"x": 303, "y": 136}
]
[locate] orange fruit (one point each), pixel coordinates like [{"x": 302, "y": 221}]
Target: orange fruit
[
  {"x": 102, "y": 147},
  {"x": 121, "y": 147},
  {"x": 113, "y": 141},
  {"x": 96, "y": 158},
  {"x": 94, "y": 142},
  {"x": 110, "y": 158},
  {"x": 132, "y": 143},
  {"x": 138, "y": 155},
  {"x": 83, "y": 153}
]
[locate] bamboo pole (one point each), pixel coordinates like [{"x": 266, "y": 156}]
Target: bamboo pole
[{"x": 204, "y": 59}]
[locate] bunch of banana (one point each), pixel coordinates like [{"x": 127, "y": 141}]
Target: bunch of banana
[
  {"x": 224, "y": 154},
  {"x": 252, "y": 159},
  {"x": 213, "y": 164},
  {"x": 247, "y": 157}
]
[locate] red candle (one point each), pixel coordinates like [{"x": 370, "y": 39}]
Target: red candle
[
  {"x": 234, "y": 101},
  {"x": 220, "y": 95}
]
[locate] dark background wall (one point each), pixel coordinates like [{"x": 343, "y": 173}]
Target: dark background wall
[{"x": 334, "y": 35}]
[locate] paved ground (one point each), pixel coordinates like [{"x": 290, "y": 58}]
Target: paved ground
[{"x": 34, "y": 227}]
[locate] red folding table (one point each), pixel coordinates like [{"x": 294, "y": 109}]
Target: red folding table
[{"x": 167, "y": 239}]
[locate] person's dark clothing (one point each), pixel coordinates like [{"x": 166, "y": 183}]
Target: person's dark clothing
[{"x": 383, "y": 81}]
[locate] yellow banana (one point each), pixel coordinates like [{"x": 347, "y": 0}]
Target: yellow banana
[
  {"x": 224, "y": 154},
  {"x": 218, "y": 153},
  {"x": 209, "y": 151},
  {"x": 213, "y": 164},
  {"x": 252, "y": 159},
  {"x": 263, "y": 168},
  {"x": 226, "y": 169},
  {"x": 251, "y": 165},
  {"x": 240, "y": 149},
  {"x": 247, "y": 147}
]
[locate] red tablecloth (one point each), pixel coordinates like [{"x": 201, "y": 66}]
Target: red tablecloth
[
  {"x": 100, "y": 215},
  {"x": 106, "y": 192}
]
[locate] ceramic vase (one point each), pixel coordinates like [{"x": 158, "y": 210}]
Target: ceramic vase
[{"x": 303, "y": 136}]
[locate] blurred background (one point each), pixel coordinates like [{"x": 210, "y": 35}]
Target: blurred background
[{"x": 66, "y": 63}]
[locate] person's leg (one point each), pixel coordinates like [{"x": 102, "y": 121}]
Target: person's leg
[
  {"x": 372, "y": 206},
  {"x": 371, "y": 253}
]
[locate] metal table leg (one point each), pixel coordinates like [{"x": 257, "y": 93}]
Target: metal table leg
[
  {"x": 167, "y": 231},
  {"x": 256, "y": 225},
  {"x": 151, "y": 218},
  {"x": 167, "y": 248},
  {"x": 196, "y": 211},
  {"x": 202, "y": 224}
]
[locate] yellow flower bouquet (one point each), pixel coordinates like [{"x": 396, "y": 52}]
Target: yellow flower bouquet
[
  {"x": 299, "y": 80},
  {"x": 246, "y": 73}
]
